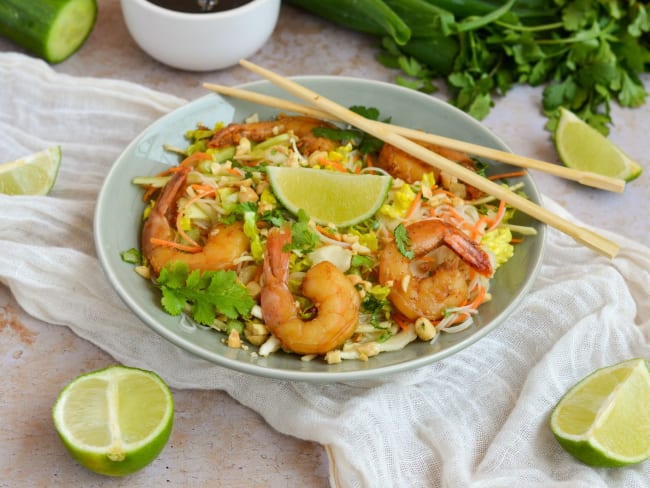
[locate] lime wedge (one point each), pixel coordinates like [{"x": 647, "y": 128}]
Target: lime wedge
[
  {"x": 32, "y": 175},
  {"x": 115, "y": 421},
  {"x": 604, "y": 420},
  {"x": 329, "y": 197},
  {"x": 582, "y": 147}
]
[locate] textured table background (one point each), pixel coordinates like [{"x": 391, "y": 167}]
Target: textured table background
[{"x": 216, "y": 441}]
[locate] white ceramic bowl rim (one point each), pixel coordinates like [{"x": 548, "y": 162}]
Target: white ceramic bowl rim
[{"x": 197, "y": 17}]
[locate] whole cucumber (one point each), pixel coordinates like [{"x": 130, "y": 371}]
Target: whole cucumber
[
  {"x": 369, "y": 16},
  {"x": 51, "y": 29}
]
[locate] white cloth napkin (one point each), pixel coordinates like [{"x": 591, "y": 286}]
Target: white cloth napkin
[{"x": 476, "y": 419}]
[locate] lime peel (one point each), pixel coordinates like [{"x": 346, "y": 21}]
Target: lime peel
[
  {"x": 116, "y": 420},
  {"x": 329, "y": 197},
  {"x": 583, "y": 148},
  {"x": 603, "y": 420}
]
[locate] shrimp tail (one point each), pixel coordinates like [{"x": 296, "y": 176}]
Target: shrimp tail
[
  {"x": 157, "y": 225},
  {"x": 276, "y": 300},
  {"x": 469, "y": 251},
  {"x": 170, "y": 192}
]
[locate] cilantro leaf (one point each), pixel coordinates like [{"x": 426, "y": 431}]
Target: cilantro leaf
[
  {"x": 303, "y": 238},
  {"x": 365, "y": 142},
  {"x": 402, "y": 241},
  {"x": 204, "y": 294}
]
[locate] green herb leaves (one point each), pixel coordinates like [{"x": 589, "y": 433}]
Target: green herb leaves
[
  {"x": 204, "y": 294},
  {"x": 402, "y": 241},
  {"x": 365, "y": 142},
  {"x": 588, "y": 53}
]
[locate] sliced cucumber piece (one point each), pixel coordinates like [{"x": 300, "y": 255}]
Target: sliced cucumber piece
[{"x": 51, "y": 29}]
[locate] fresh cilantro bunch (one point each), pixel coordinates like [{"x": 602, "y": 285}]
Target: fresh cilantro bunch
[
  {"x": 586, "y": 53},
  {"x": 204, "y": 294}
]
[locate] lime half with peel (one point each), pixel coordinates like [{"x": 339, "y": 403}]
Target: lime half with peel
[
  {"x": 582, "y": 147},
  {"x": 604, "y": 420},
  {"x": 32, "y": 175},
  {"x": 116, "y": 420},
  {"x": 329, "y": 197}
]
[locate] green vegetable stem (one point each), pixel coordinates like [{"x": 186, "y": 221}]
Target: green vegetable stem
[
  {"x": 586, "y": 53},
  {"x": 369, "y": 16}
]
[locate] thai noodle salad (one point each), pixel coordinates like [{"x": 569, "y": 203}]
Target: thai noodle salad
[{"x": 230, "y": 251}]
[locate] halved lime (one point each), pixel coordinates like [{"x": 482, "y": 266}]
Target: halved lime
[
  {"x": 604, "y": 420},
  {"x": 116, "y": 420},
  {"x": 329, "y": 197},
  {"x": 582, "y": 147},
  {"x": 32, "y": 175}
]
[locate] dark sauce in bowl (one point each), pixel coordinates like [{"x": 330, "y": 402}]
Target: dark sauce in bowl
[{"x": 199, "y": 6}]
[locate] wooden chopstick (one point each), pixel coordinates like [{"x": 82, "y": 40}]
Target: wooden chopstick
[
  {"x": 580, "y": 234},
  {"x": 583, "y": 177}
]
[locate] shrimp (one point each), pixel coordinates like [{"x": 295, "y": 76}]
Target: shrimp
[
  {"x": 302, "y": 127},
  {"x": 224, "y": 244},
  {"x": 433, "y": 290},
  {"x": 335, "y": 298},
  {"x": 402, "y": 165}
]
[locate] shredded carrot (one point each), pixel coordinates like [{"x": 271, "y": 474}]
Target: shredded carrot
[
  {"x": 326, "y": 232},
  {"x": 414, "y": 205},
  {"x": 479, "y": 227},
  {"x": 175, "y": 245},
  {"x": 479, "y": 298},
  {"x": 401, "y": 321},
  {"x": 458, "y": 219},
  {"x": 175, "y": 169},
  {"x": 234, "y": 171},
  {"x": 516, "y": 240},
  {"x": 333, "y": 164},
  {"x": 512, "y": 174},
  {"x": 195, "y": 158},
  {"x": 499, "y": 216},
  {"x": 204, "y": 188},
  {"x": 181, "y": 212},
  {"x": 148, "y": 192},
  {"x": 369, "y": 162},
  {"x": 439, "y": 190}
]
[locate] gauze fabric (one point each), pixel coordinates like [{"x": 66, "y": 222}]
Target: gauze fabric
[{"x": 476, "y": 419}]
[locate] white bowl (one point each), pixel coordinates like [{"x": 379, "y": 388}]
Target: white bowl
[{"x": 200, "y": 41}]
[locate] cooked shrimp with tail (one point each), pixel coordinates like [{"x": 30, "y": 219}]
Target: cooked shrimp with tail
[
  {"x": 335, "y": 298},
  {"x": 224, "y": 243},
  {"x": 411, "y": 169},
  {"x": 428, "y": 292},
  {"x": 301, "y": 127}
]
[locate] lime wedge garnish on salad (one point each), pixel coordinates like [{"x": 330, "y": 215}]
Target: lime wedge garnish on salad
[
  {"x": 329, "y": 197},
  {"x": 116, "y": 420},
  {"x": 604, "y": 420},
  {"x": 582, "y": 147},
  {"x": 32, "y": 175}
]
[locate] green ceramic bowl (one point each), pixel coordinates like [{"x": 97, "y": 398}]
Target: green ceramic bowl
[{"x": 118, "y": 223}]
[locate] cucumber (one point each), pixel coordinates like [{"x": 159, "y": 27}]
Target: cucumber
[{"x": 51, "y": 29}]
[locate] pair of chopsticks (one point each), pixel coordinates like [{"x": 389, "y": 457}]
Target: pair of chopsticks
[
  {"x": 397, "y": 136},
  {"x": 583, "y": 177}
]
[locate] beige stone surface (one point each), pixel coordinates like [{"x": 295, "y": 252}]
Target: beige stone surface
[{"x": 216, "y": 441}]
